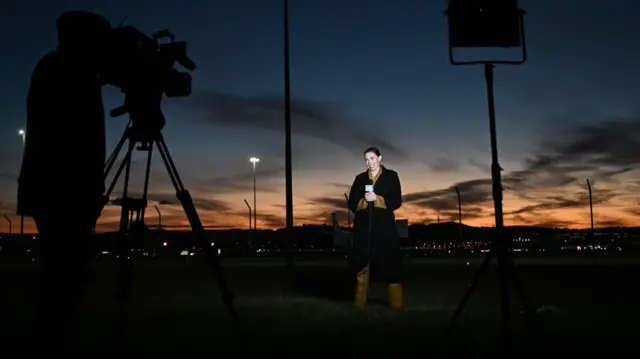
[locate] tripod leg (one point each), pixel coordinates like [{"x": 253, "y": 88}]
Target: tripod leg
[
  {"x": 114, "y": 155},
  {"x": 467, "y": 295},
  {"x": 124, "y": 276},
  {"x": 185, "y": 199},
  {"x": 135, "y": 225},
  {"x": 109, "y": 165},
  {"x": 147, "y": 175}
]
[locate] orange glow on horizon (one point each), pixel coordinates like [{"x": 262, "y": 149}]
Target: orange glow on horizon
[
  {"x": 174, "y": 220},
  {"x": 323, "y": 193}
]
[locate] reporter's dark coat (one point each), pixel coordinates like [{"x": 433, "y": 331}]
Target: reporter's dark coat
[{"x": 382, "y": 252}]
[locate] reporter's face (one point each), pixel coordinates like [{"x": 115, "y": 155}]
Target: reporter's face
[{"x": 372, "y": 161}]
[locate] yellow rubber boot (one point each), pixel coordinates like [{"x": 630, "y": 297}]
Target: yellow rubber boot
[
  {"x": 396, "y": 300},
  {"x": 362, "y": 288}
]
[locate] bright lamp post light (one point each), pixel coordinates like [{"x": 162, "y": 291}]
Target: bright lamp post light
[
  {"x": 254, "y": 160},
  {"x": 22, "y": 133}
]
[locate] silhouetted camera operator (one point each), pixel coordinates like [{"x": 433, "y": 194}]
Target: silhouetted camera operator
[{"x": 61, "y": 182}]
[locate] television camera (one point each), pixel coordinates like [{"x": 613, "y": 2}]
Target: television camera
[{"x": 143, "y": 68}]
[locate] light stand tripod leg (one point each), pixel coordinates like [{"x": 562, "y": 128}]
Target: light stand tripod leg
[
  {"x": 467, "y": 295},
  {"x": 505, "y": 299},
  {"x": 185, "y": 199},
  {"x": 527, "y": 306}
]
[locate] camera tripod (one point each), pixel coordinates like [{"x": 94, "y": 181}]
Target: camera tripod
[{"x": 133, "y": 210}]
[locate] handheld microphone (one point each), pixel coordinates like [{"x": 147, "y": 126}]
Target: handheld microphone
[{"x": 369, "y": 188}]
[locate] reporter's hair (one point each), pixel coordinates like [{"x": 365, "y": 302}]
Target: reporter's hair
[{"x": 372, "y": 149}]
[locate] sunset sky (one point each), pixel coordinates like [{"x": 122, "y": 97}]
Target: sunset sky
[{"x": 368, "y": 72}]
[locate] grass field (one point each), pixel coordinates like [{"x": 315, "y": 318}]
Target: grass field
[{"x": 177, "y": 309}]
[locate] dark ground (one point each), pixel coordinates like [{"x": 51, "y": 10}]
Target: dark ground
[{"x": 176, "y": 310}]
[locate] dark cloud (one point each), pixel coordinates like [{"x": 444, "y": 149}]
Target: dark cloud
[
  {"x": 634, "y": 211},
  {"x": 267, "y": 220},
  {"x": 6, "y": 207},
  {"x": 271, "y": 220},
  {"x": 333, "y": 202},
  {"x": 345, "y": 187},
  {"x": 324, "y": 207},
  {"x": 569, "y": 153},
  {"x": 571, "y": 150},
  {"x": 550, "y": 222},
  {"x": 556, "y": 202},
  {"x": 8, "y": 177},
  {"x": 324, "y": 121},
  {"x": 443, "y": 164},
  {"x": 242, "y": 182},
  {"x": 205, "y": 204},
  {"x": 602, "y": 221},
  {"x": 613, "y": 142},
  {"x": 484, "y": 168},
  {"x": 472, "y": 193}
]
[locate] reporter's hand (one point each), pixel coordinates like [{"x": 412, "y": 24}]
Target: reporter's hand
[{"x": 370, "y": 196}]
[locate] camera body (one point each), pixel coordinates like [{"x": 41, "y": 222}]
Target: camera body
[{"x": 143, "y": 68}]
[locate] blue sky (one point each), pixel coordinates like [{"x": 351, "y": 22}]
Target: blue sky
[{"x": 380, "y": 71}]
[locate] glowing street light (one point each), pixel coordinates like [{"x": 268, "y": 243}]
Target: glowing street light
[
  {"x": 22, "y": 133},
  {"x": 254, "y": 160}
]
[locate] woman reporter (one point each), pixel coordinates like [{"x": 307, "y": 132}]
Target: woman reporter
[{"x": 375, "y": 252}]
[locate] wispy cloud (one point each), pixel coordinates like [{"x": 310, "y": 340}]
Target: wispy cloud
[
  {"x": 242, "y": 182},
  {"x": 329, "y": 122},
  {"x": 553, "y": 178},
  {"x": 444, "y": 164}
]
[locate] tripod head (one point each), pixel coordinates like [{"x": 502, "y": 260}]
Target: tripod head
[{"x": 143, "y": 68}]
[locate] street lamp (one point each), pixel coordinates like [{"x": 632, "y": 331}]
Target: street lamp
[
  {"x": 23, "y": 134},
  {"x": 254, "y": 160},
  {"x": 348, "y": 211},
  {"x": 248, "y": 206},
  {"x": 9, "y": 220},
  {"x": 251, "y": 234}
]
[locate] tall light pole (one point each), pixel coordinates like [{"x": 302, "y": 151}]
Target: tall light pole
[
  {"x": 348, "y": 211},
  {"x": 248, "y": 206},
  {"x": 254, "y": 160},
  {"x": 287, "y": 139},
  {"x": 9, "y": 220},
  {"x": 591, "y": 209},
  {"x": 459, "y": 212},
  {"x": 251, "y": 234},
  {"x": 23, "y": 134},
  {"x": 287, "y": 120}
]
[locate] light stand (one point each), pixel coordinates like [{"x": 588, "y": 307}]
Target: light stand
[{"x": 483, "y": 24}]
